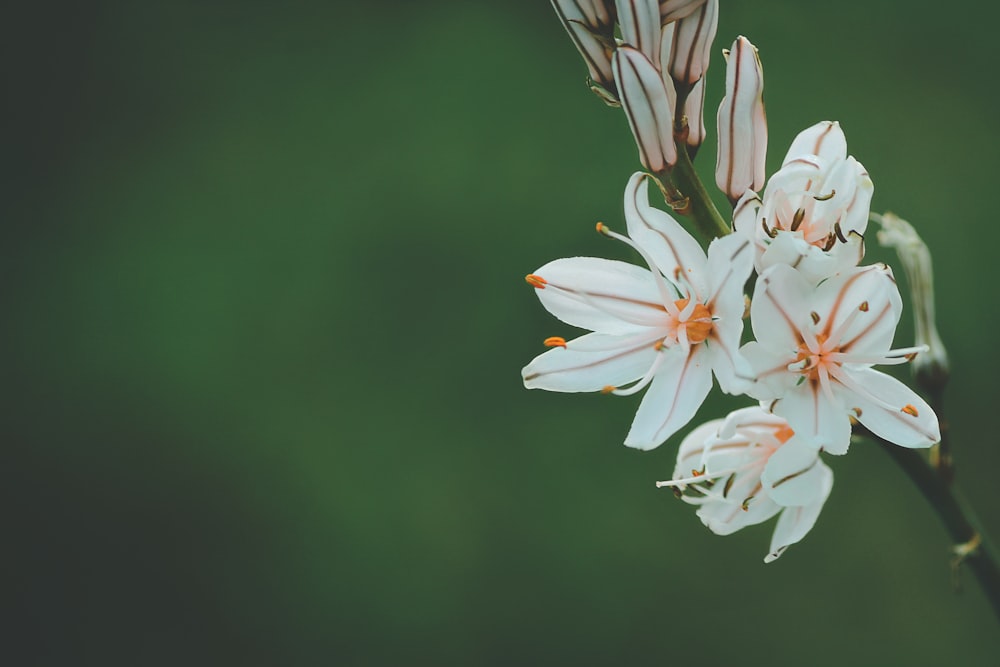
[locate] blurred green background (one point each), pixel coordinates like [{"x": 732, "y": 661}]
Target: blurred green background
[{"x": 264, "y": 320}]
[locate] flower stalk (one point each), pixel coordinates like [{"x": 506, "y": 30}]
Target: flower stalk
[{"x": 971, "y": 546}]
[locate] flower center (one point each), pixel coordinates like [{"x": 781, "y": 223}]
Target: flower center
[
  {"x": 809, "y": 362},
  {"x": 698, "y": 324}
]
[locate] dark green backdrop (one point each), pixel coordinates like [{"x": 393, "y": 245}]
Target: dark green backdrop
[{"x": 264, "y": 318}]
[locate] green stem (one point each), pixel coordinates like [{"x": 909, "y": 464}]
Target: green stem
[
  {"x": 706, "y": 217},
  {"x": 957, "y": 517}
]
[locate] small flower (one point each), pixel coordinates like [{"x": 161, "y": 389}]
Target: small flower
[
  {"x": 687, "y": 44},
  {"x": 815, "y": 209},
  {"x": 648, "y": 107},
  {"x": 742, "y": 123},
  {"x": 748, "y": 467},
  {"x": 591, "y": 26},
  {"x": 666, "y": 328},
  {"x": 814, "y": 353}
]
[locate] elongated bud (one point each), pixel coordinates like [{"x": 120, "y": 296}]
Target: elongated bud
[
  {"x": 671, "y": 10},
  {"x": 694, "y": 110},
  {"x": 591, "y": 25},
  {"x": 930, "y": 367},
  {"x": 685, "y": 50},
  {"x": 742, "y": 123},
  {"x": 648, "y": 108},
  {"x": 640, "y": 24}
]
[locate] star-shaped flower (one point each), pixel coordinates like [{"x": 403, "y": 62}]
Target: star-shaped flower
[
  {"x": 814, "y": 353},
  {"x": 667, "y": 327}
]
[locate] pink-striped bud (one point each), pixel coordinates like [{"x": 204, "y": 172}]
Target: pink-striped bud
[
  {"x": 671, "y": 10},
  {"x": 640, "y": 24},
  {"x": 647, "y": 105},
  {"x": 591, "y": 25},
  {"x": 742, "y": 123},
  {"x": 687, "y": 44}
]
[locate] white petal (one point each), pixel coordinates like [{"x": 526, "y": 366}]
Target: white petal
[
  {"x": 727, "y": 518},
  {"x": 692, "y": 43},
  {"x": 768, "y": 371},
  {"x": 675, "y": 252},
  {"x": 601, "y": 295},
  {"x": 796, "y": 522},
  {"x": 824, "y": 139},
  {"x": 694, "y": 109},
  {"x": 810, "y": 261},
  {"x": 895, "y": 423},
  {"x": 671, "y": 10},
  {"x": 780, "y": 308},
  {"x": 673, "y": 398},
  {"x": 592, "y": 362},
  {"x": 745, "y": 214},
  {"x": 860, "y": 308},
  {"x": 793, "y": 474},
  {"x": 689, "y": 454},
  {"x": 814, "y": 417},
  {"x": 640, "y": 25},
  {"x": 578, "y": 24}
]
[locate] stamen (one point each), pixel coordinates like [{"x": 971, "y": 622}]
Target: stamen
[
  {"x": 839, "y": 232},
  {"x": 815, "y": 317},
  {"x": 608, "y": 389},
  {"x": 863, "y": 307},
  {"x": 642, "y": 382},
  {"x": 661, "y": 284},
  {"x": 554, "y": 341},
  {"x": 797, "y": 219},
  {"x": 832, "y": 194},
  {"x": 536, "y": 281},
  {"x": 910, "y": 410}
]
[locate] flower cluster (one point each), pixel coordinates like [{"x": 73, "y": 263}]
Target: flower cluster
[{"x": 820, "y": 320}]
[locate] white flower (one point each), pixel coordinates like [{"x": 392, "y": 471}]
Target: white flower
[
  {"x": 671, "y": 10},
  {"x": 814, "y": 353},
  {"x": 814, "y": 210},
  {"x": 744, "y": 469},
  {"x": 742, "y": 123},
  {"x": 640, "y": 26},
  {"x": 667, "y": 328}
]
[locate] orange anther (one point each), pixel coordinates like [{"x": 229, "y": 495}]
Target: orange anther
[
  {"x": 554, "y": 341},
  {"x": 910, "y": 410},
  {"x": 536, "y": 281},
  {"x": 863, "y": 307},
  {"x": 784, "y": 434},
  {"x": 602, "y": 228},
  {"x": 608, "y": 389}
]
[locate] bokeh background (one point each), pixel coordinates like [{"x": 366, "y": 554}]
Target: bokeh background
[{"x": 264, "y": 318}]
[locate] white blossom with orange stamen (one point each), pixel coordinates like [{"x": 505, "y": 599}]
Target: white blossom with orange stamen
[
  {"x": 814, "y": 211},
  {"x": 748, "y": 467},
  {"x": 815, "y": 348},
  {"x": 667, "y": 327},
  {"x": 591, "y": 26}
]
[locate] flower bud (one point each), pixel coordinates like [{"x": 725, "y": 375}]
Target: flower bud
[
  {"x": 591, "y": 24},
  {"x": 742, "y": 123},
  {"x": 685, "y": 49},
  {"x": 930, "y": 367},
  {"x": 647, "y": 107},
  {"x": 671, "y": 10},
  {"x": 640, "y": 24}
]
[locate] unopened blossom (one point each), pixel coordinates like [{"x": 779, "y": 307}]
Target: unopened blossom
[
  {"x": 742, "y": 123},
  {"x": 814, "y": 211},
  {"x": 930, "y": 366},
  {"x": 745, "y": 469},
  {"x": 648, "y": 107},
  {"x": 640, "y": 26},
  {"x": 591, "y": 26},
  {"x": 694, "y": 113},
  {"x": 813, "y": 357},
  {"x": 671, "y": 10},
  {"x": 686, "y": 45},
  {"x": 665, "y": 328}
]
